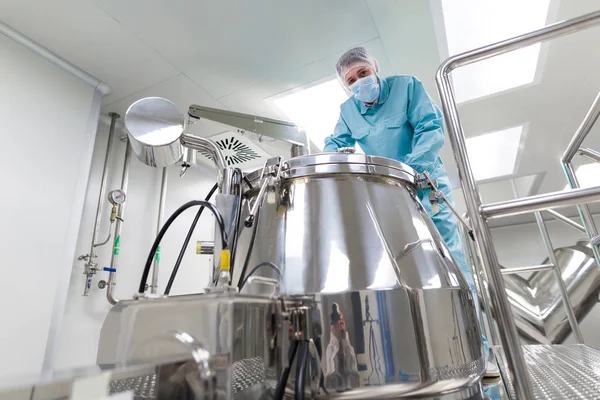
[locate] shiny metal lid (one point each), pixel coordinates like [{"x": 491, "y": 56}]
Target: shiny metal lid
[
  {"x": 342, "y": 163},
  {"x": 154, "y": 121}
]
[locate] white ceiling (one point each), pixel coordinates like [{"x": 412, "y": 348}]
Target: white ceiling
[{"x": 238, "y": 54}]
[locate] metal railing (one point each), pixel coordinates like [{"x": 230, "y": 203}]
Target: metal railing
[
  {"x": 574, "y": 148},
  {"x": 478, "y": 214}
]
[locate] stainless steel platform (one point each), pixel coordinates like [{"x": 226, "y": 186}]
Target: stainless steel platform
[{"x": 559, "y": 372}]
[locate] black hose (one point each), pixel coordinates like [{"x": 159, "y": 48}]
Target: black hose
[
  {"x": 301, "y": 371},
  {"x": 249, "y": 252},
  {"x": 186, "y": 242},
  {"x": 259, "y": 266},
  {"x": 166, "y": 226},
  {"x": 319, "y": 347},
  {"x": 285, "y": 374}
]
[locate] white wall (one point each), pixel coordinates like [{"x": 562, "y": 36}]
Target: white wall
[
  {"x": 522, "y": 245},
  {"x": 45, "y": 154},
  {"x": 78, "y": 341}
]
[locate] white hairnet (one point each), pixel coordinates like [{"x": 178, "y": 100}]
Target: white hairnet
[{"x": 358, "y": 56}]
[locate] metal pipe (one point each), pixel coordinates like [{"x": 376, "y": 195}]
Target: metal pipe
[
  {"x": 584, "y": 211},
  {"x": 566, "y": 220},
  {"x": 508, "y": 331},
  {"x": 558, "y": 274},
  {"x": 90, "y": 265},
  {"x": 510, "y": 341},
  {"x": 533, "y": 268},
  {"x": 200, "y": 143},
  {"x": 224, "y": 174},
  {"x": 540, "y": 202},
  {"x": 582, "y": 131},
  {"x": 159, "y": 222},
  {"x": 54, "y": 59},
  {"x": 590, "y": 154},
  {"x": 548, "y": 32},
  {"x": 112, "y": 276},
  {"x": 479, "y": 275}
]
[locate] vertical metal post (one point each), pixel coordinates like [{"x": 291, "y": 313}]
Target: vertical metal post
[
  {"x": 159, "y": 222},
  {"x": 112, "y": 276},
  {"x": 511, "y": 343},
  {"x": 91, "y": 265},
  {"x": 479, "y": 274},
  {"x": 583, "y": 209},
  {"x": 558, "y": 274}
]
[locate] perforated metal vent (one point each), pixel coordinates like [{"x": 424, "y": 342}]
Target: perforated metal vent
[
  {"x": 239, "y": 151},
  {"x": 235, "y": 151}
]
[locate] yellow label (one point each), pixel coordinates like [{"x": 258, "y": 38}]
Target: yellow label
[{"x": 225, "y": 260}]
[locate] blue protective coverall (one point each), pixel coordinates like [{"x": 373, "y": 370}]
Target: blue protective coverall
[{"x": 407, "y": 126}]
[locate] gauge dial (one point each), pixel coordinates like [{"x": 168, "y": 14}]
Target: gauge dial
[{"x": 117, "y": 197}]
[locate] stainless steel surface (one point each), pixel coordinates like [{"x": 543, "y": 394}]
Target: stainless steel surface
[
  {"x": 400, "y": 343},
  {"x": 583, "y": 209},
  {"x": 339, "y": 163},
  {"x": 510, "y": 341},
  {"x": 479, "y": 276},
  {"x": 162, "y": 378},
  {"x": 159, "y": 222},
  {"x": 91, "y": 266},
  {"x": 508, "y": 331},
  {"x": 540, "y": 202},
  {"x": 297, "y": 150},
  {"x": 582, "y": 131},
  {"x": 573, "y": 148},
  {"x": 566, "y": 220},
  {"x": 559, "y": 279},
  {"x": 188, "y": 159},
  {"x": 200, "y": 143},
  {"x": 561, "y": 372},
  {"x": 537, "y": 303},
  {"x": 114, "y": 258},
  {"x": 590, "y": 154},
  {"x": 154, "y": 127},
  {"x": 345, "y": 226},
  {"x": 227, "y": 206},
  {"x": 273, "y": 128},
  {"x": 236, "y": 330},
  {"x": 532, "y": 268}
]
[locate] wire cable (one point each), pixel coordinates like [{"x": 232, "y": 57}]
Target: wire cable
[
  {"x": 301, "y": 371},
  {"x": 285, "y": 374},
  {"x": 186, "y": 242},
  {"x": 249, "y": 252},
  {"x": 259, "y": 266},
  {"x": 168, "y": 223}
]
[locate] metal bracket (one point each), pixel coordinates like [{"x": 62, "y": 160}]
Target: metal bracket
[
  {"x": 273, "y": 128},
  {"x": 595, "y": 241},
  {"x": 436, "y": 195}
]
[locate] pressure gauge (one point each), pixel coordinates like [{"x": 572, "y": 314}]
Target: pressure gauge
[{"x": 116, "y": 197}]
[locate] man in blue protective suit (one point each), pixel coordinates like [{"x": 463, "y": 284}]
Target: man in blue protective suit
[{"x": 394, "y": 117}]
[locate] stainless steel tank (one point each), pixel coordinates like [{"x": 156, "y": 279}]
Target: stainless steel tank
[
  {"x": 237, "y": 331},
  {"x": 397, "y": 316},
  {"x": 537, "y": 303}
]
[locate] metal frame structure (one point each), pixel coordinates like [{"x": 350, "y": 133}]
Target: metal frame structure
[{"x": 479, "y": 214}]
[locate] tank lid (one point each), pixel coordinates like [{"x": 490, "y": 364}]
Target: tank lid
[{"x": 342, "y": 163}]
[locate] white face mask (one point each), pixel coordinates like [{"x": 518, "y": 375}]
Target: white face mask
[{"x": 366, "y": 89}]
